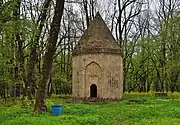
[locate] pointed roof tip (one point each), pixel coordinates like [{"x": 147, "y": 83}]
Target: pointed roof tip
[
  {"x": 98, "y": 15},
  {"x": 97, "y": 39}
]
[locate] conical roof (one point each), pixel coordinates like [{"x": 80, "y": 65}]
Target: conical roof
[{"x": 97, "y": 39}]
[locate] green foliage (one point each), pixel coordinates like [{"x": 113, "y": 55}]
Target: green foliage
[
  {"x": 154, "y": 111},
  {"x": 174, "y": 95},
  {"x": 4, "y": 75},
  {"x": 155, "y": 64},
  {"x": 61, "y": 77},
  {"x": 62, "y": 85}
]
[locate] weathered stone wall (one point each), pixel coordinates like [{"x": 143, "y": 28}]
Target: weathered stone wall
[{"x": 104, "y": 70}]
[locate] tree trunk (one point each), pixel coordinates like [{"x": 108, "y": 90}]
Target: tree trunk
[
  {"x": 48, "y": 57},
  {"x": 49, "y": 89},
  {"x": 20, "y": 42},
  {"x": 85, "y": 3},
  {"x": 33, "y": 54},
  {"x": 1, "y": 16}
]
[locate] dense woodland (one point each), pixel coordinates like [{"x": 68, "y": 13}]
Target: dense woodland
[{"x": 37, "y": 38}]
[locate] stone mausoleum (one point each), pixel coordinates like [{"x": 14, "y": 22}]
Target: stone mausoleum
[{"x": 97, "y": 64}]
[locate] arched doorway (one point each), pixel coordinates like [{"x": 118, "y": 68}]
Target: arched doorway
[{"x": 93, "y": 90}]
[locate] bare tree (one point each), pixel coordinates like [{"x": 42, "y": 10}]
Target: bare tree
[
  {"x": 128, "y": 10},
  {"x": 34, "y": 45},
  {"x": 48, "y": 57}
]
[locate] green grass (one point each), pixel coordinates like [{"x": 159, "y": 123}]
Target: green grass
[{"x": 134, "y": 109}]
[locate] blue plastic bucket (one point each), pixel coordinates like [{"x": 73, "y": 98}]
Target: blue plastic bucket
[{"x": 56, "y": 110}]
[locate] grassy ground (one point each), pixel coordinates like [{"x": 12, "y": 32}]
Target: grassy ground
[{"x": 134, "y": 109}]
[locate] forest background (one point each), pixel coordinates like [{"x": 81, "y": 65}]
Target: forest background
[{"x": 37, "y": 39}]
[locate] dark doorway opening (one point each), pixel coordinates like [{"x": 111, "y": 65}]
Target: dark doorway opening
[{"x": 93, "y": 90}]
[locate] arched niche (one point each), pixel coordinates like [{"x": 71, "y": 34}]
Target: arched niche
[
  {"x": 93, "y": 69},
  {"x": 93, "y": 76}
]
